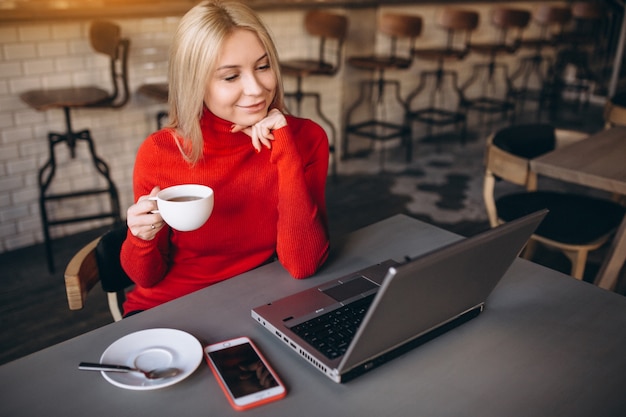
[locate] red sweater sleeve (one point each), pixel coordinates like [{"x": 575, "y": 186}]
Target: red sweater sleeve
[
  {"x": 146, "y": 262},
  {"x": 302, "y": 241}
]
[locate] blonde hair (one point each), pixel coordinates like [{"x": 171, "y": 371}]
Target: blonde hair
[{"x": 193, "y": 55}]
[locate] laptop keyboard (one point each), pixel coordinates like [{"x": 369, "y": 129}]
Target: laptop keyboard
[{"x": 332, "y": 332}]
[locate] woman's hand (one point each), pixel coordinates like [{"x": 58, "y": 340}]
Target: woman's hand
[
  {"x": 261, "y": 132},
  {"x": 140, "y": 218}
]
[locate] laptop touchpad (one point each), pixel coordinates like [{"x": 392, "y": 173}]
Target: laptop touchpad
[{"x": 350, "y": 289}]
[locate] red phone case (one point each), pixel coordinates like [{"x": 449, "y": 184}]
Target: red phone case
[{"x": 226, "y": 391}]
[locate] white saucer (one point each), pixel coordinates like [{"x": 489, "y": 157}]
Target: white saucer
[{"x": 151, "y": 349}]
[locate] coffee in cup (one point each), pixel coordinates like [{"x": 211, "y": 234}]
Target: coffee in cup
[{"x": 185, "y": 207}]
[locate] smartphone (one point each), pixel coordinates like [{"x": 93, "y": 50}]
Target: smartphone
[{"x": 243, "y": 373}]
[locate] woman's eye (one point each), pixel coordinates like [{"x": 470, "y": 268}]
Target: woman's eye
[
  {"x": 263, "y": 67},
  {"x": 231, "y": 77}
]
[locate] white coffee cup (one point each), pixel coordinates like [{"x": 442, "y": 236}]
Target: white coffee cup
[{"x": 185, "y": 207}]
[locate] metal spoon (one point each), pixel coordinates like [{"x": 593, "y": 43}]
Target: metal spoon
[{"x": 158, "y": 373}]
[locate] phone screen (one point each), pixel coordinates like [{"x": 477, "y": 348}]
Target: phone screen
[{"x": 242, "y": 370}]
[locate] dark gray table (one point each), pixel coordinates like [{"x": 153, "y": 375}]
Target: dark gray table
[{"x": 546, "y": 345}]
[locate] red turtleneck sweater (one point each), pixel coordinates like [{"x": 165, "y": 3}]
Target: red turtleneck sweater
[{"x": 266, "y": 203}]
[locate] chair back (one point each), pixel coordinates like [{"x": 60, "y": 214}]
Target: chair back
[
  {"x": 459, "y": 26},
  {"x": 588, "y": 10},
  {"x": 401, "y": 28},
  {"x": 331, "y": 28},
  {"x": 526, "y": 140},
  {"x": 547, "y": 15},
  {"x": 113, "y": 278},
  {"x": 500, "y": 164},
  {"x": 326, "y": 24},
  {"x": 504, "y": 17},
  {"x": 511, "y": 24},
  {"x": 81, "y": 275},
  {"x": 507, "y": 157},
  {"x": 105, "y": 37},
  {"x": 510, "y": 150},
  {"x": 552, "y": 19},
  {"x": 506, "y": 165},
  {"x": 99, "y": 260}
]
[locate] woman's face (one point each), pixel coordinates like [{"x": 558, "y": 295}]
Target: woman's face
[{"x": 243, "y": 85}]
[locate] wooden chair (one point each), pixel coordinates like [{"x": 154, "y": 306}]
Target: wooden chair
[
  {"x": 576, "y": 223},
  {"x": 105, "y": 38},
  {"x": 98, "y": 261},
  {"x": 401, "y": 31},
  {"x": 330, "y": 29}
]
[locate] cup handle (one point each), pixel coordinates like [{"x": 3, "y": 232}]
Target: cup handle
[{"x": 154, "y": 198}]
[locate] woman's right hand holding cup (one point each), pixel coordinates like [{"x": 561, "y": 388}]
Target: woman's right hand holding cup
[{"x": 141, "y": 219}]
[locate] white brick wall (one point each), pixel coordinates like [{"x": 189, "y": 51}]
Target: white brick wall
[{"x": 57, "y": 54}]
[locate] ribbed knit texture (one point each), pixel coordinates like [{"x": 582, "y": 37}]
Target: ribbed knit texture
[{"x": 266, "y": 203}]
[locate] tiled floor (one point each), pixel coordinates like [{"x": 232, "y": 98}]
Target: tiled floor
[{"x": 441, "y": 186}]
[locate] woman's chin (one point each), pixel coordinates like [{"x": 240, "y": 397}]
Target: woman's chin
[{"x": 250, "y": 120}]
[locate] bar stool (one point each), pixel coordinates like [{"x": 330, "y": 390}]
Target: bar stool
[
  {"x": 531, "y": 78},
  {"x": 331, "y": 30},
  {"x": 105, "y": 37},
  {"x": 401, "y": 30},
  {"x": 572, "y": 69},
  {"x": 158, "y": 92},
  {"x": 494, "y": 92},
  {"x": 443, "y": 105}
]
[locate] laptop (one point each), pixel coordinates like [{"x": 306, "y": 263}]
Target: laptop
[{"x": 355, "y": 323}]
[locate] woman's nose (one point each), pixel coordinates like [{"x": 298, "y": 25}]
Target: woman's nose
[{"x": 251, "y": 85}]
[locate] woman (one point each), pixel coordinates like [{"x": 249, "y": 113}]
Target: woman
[{"x": 228, "y": 130}]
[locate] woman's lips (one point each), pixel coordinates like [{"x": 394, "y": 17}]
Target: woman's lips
[{"x": 254, "y": 108}]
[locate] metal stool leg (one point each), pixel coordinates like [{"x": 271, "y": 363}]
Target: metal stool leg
[
  {"x": 46, "y": 173},
  {"x": 436, "y": 113},
  {"x": 377, "y": 129},
  {"x": 46, "y": 176},
  {"x": 489, "y": 100}
]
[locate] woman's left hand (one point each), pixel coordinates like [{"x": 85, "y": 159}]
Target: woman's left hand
[{"x": 261, "y": 132}]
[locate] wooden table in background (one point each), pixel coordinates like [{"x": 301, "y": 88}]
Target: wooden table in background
[{"x": 598, "y": 162}]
